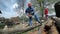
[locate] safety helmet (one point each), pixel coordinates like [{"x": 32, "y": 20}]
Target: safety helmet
[{"x": 29, "y": 4}]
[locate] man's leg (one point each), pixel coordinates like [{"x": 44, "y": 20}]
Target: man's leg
[
  {"x": 37, "y": 18},
  {"x": 30, "y": 21},
  {"x": 46, "y": 16}
]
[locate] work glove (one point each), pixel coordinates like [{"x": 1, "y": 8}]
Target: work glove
[{"x": 29, "y": 15}]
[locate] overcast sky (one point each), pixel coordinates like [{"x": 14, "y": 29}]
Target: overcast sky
[{"x": 7, "y": 7}]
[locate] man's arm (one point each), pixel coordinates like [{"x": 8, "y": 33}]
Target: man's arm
[{"x": 32, "y": 11}]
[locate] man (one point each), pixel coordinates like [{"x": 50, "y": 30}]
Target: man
[
  {"x": 57, "y": 9},
  {"x": 46, "y": 13},
  {"x": 30, "y": 12}
]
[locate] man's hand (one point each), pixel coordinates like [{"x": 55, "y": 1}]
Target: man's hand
[{"x": 29, "y": 15}]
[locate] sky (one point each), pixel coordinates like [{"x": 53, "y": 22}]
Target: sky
[{"x": 7, "y": 8}]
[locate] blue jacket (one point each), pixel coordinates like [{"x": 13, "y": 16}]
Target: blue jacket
[{"x": 30, "y": 10}]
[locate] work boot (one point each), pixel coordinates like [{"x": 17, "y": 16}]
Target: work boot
[{"x": 40, "y": 23}]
